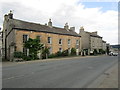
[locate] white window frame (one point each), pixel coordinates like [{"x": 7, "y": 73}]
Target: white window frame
[
  {"x": 50, "y": 50},
  {"x": 69, "y": 41},
  {"x": 27, "y": 37},
  {"x": 59, "y": 42},
  {"x": 60, "y": 49},
  {"x": 77, "y": 42},
  {"x": 50, "y": 40}
]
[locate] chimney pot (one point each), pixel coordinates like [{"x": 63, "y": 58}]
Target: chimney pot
[{"x": 10, "y": 15}]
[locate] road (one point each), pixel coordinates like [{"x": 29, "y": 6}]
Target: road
[{"x": 68, "y": 73}]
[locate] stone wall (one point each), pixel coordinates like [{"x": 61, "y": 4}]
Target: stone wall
[
  {"x": 96, "y": 43},
  {"x": 55, "y": 40}
]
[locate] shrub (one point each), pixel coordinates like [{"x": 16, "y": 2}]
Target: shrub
[
  {"x": 34, "y": 47},
  {"x": 52, "y": 56},
  {"x": 65, "y": 53},
  {"x": 58, "y": 54},
  {"x": 26, "y": 58},
  {"x": 73, "y": 51},
  {"x": 18, "y": 54}
]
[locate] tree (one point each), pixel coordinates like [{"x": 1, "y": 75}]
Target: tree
[{"x": 34, "y": 47}]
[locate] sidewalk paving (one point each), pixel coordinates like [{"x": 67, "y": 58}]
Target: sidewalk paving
[
  {"x": 8, "y": 63},
  {"x": 111, "y": 79}
]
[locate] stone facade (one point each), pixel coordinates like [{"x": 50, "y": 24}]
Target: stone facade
[
  {"x": 90, "y": 41},
  {"x": 13, "y": 31},
  {"x": 104, "y": 45},
  {"x": 43, "y": 38}
]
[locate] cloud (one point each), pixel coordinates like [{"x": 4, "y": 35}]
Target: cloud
[{"x": 62, "y": 11}]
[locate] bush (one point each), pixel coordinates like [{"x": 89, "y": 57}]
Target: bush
[
  {"x": 18, "y": 54},
  {"x": 101, "y": 51},
  {"x": 52, "y": 56},
  {"x": 65, "y": 53},
  {"x": 73, "y": 51},
  {"x": 58, "y": 54},
  {"x": 26, "y": 58}
]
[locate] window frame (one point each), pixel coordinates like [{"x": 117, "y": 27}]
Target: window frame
[
  {"x": 49, "y": 40},
  {"x": 60, "y": 40},
  {"x": 60, "y": 49},
  {"x": 77, "y": 42},
  {"x": 38, "y": 38},
  {"x": 26, "y": 38},
  {"x": 69, "y": 41}
]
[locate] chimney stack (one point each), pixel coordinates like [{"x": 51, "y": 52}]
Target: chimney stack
[
  {"x": 10, "y": 15},
  {"x": 6, "y": 17},
  {"x": 95, "y": 32},
  {"x": 72, "y": 29},
  {"x": 66, "y": 26},
  {"x": 50, "y": 23},
  {"x": 81, "y": 29}
]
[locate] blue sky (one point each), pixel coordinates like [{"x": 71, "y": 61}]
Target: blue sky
[{"x": 105, "y": 5}]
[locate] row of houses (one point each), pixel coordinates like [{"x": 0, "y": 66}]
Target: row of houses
[{"x": 15, "y": 32}]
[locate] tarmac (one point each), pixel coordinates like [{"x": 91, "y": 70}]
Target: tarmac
[{"x": 107, "y": 80}]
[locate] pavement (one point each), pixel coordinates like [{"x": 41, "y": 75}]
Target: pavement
[
  {"x": 109, "y": 79},
  {"x": 76, "y": 72},
  {"x": 8, "y": 63}
]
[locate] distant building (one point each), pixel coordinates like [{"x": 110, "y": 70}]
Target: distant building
[
  {"x": 104, "y": 47},
  {"x": 115, "y": 48},
  {"x": 16, "y": 32},
  {"x": 90, "y": 41}
]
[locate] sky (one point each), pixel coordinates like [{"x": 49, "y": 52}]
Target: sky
[{"x": 93, "y": 15}]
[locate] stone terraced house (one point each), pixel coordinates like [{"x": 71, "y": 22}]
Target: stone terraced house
[
  {"x": 90, "y": 41},
  {"x": 16, "y": 32}
]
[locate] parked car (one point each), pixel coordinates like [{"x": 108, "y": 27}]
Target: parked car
[{"x": 113, "y": 54}]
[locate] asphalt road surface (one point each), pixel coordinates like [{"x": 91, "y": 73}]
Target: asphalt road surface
[{"x": 69, "y": 73}]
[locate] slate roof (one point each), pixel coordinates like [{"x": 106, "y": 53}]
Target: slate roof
[
  {"x": 93, "y": 35},
  {"x": 23, "y": 25},
  {"x": 103, "y": 41}
]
